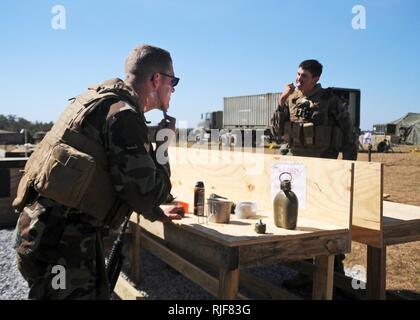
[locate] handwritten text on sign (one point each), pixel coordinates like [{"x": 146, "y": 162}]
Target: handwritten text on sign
[{"x": 298, "y": 172}]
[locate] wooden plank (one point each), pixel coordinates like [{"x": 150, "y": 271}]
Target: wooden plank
[
  {"x": 398, "y": 213},
  {"x": 292, "y": 250},
  {"x": 340, "y": 281},
  {"x": 401, "y": 233},
  {"x": 247, "y": 176},
  {"x": 367, "y": 203},
  {"x": 228, "y": 283},
  {"x": 376, "y": 273},
  {"x": 184, "y": 267},
  {"x": 125, "y": 291},
  {"x": 367, "y": 236},
  {"x": 240, "y": 231},
  {"x": 323, "y": 278},
  {"x": 401, "y": 223},
  {"x": 8, "y": 217},
  {"x": 12, "y": 162},
  {"x": 193, "y": 244},
  {"x": 262, "y": 253},
  {"x": 264, "y": 288},
  {"x": 189, "y": 269}
]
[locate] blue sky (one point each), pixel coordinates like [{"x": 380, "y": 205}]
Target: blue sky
[{"x": 220, "y": 48}]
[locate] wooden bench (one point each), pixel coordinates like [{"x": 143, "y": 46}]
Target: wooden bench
[
  {"x": 379, "y": 223},
  {"x": 191, "y": 243}
]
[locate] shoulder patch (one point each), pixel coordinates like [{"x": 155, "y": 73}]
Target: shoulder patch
[{"x": 118, "y": 107}]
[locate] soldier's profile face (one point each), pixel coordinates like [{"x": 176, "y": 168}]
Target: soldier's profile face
[
  {"x": 305, "y": 81},
  {"x": 166, "y": 88}
]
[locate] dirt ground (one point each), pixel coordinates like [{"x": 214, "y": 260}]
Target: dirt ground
[{"x": 402, "y": 184}]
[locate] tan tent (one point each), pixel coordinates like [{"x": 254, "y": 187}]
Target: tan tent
[{"x": 409, "y": 125}]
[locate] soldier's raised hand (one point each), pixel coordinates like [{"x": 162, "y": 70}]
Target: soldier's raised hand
[
  {"x": 167, "y": 122},
  {"x": 288, "y": 89}
]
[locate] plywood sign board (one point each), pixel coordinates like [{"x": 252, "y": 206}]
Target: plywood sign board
[
  {"x": 367, "y": 203},
  {"x": 328, "y": 188},
  {"x": 243, "y": 176}
]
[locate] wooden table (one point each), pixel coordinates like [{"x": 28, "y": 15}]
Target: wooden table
[
  {"x": 194, "y": 246},
  {"x": 234, "y": 246}
]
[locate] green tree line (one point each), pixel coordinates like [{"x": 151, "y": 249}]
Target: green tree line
[{"x": 15, "y": 124}]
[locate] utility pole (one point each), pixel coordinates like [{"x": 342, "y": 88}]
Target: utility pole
[{"x": 26, "y": 141}]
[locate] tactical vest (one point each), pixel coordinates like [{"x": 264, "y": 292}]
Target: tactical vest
[
  {"x": 310, "y": 131},
  {"x": 71, "y": 168}
]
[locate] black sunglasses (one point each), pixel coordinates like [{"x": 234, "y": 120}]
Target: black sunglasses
[{"x": 174, "y": 80}]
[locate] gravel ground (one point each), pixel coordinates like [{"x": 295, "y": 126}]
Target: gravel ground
[
  {"x": 160, "y": 281},
  {"x": 12, "y": 284}
]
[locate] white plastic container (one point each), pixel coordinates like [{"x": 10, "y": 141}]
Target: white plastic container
[{"x": 246, "y": 210}]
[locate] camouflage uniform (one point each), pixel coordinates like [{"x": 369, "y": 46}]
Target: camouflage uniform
[
  {"x": 49, "y": 234},
  {"x": 320, "y": 129}
]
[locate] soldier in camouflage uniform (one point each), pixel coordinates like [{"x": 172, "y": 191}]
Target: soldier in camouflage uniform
[
  {"x": 314, "y": 123},
  {"x": 64, "y": 214},
  {"x": 312, "y": 120}
]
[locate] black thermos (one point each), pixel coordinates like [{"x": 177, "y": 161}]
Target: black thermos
[{"x": 199, "y": 198}]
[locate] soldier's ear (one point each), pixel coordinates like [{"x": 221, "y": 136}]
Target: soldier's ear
[{"x": 155, "y": 79}]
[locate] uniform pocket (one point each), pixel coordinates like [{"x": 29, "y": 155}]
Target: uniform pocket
[
  {"x": 38, "y": 232},
  {"x": 308, "y": 134},
  {"x": 288, "y": 132},
  {"x": 323, "y": 136},
  {"x": 297, "y": 134},
  {"x": 65, "y": 175}
]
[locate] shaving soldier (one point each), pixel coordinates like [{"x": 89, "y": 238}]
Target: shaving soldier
[
  {"x": 312, "y": 120},
  {"x": 315, "y": 123},
  {"x": 93, "y": 168}
]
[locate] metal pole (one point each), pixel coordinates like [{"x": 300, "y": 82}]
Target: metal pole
[{"x": 26, "y": 143}]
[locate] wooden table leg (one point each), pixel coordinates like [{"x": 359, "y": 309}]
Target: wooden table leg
[
  {"x": 229, "y": 274},
  {"x": 135, "y": 250},
  {"x": 228, "y": 284},
  {"x": 376, "y": 273},
  {"x": 323, "y": 278}
]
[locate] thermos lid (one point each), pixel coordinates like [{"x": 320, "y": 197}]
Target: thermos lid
[{"x": 200, "y": 184}]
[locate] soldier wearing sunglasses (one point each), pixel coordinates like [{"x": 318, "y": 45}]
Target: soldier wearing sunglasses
[{"x": 93, "y": 169}]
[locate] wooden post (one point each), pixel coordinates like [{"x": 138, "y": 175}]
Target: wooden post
[
  {"x": 323, "y": 278},
  {"x": 376, "y": 273},
  {"x": 135, "y": 250},
  {"x": 228, "y": 284},
  {"x": 229, "y": 274}
]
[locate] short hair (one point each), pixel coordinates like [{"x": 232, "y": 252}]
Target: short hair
[
  {"x": 313, "y": 66},
  {"x": 144, "y": 60}
]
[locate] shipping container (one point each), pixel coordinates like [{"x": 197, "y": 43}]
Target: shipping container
[{"x": 253, "y": 111}]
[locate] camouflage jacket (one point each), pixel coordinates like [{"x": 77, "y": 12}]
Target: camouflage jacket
[
  {"x": 139, "y": 180},
  {"x": 331, "y": 112}
]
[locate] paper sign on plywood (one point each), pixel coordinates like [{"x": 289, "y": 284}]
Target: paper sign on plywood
[{"x": 298, "y": 173}]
